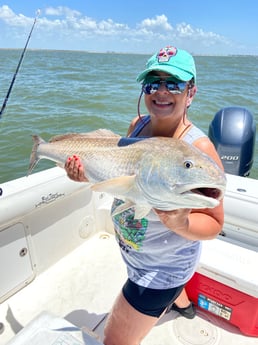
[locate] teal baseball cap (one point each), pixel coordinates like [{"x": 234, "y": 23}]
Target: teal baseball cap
[{"x": 177, "y": 62}]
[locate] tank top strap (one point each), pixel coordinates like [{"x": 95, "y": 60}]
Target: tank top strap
[
  {"x": 140, "y": 125},
  {"x": 193, "y": 134}
]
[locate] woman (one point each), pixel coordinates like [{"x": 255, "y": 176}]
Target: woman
[{"x": 167, "y": 253}]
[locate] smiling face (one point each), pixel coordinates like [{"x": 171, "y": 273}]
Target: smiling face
[{"x": 164, "y": 106}]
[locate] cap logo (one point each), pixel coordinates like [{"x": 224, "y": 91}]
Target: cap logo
[{"x": 166, "y": 53}]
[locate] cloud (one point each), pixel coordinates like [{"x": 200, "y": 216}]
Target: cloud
[
  {"x": 159, "y": 22},
  {"x": 66, "y": 20},
  {"x": 61, "y": 11},
  {"x": 11, "y": 19},
  {"x": 64, "y": 28},
  {"x": 160, "y": 26}
]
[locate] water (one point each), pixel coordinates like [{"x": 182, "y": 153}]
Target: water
[{"x": 58, "y": 92}]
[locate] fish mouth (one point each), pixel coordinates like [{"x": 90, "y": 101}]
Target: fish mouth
[{"x": 210, "y": 194}]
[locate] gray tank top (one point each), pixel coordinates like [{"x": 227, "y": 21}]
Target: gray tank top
[{"x": 155, "y": 256}]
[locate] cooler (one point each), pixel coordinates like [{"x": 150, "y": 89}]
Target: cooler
[{"x": 226, "y": 284}]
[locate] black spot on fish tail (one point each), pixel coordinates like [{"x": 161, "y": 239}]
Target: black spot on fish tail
[{"x": 34, "y": 158}]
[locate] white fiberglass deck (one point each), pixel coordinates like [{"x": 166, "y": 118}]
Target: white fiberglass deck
[{"x": 81, "y": 288}]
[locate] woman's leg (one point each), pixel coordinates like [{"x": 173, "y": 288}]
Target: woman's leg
[
  {"x": 182, "y": 300},
  {"x": 183, "y": 306},
  {"x": 125, "y": 325}
]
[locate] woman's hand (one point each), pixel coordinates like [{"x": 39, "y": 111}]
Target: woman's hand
[
  {"x": 74, "y": 169},
  {"x": 176, "y": 220}
]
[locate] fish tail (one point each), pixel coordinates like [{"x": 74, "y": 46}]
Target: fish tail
[{"x": 34, "y": 157}]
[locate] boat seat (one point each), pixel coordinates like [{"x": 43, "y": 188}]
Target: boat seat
[{"x": 47, "y": 328}]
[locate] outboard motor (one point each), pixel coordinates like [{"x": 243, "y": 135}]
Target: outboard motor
[{"x": 232, "y": 132}]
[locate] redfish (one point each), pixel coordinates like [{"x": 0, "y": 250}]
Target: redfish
[{"x": 155, "y": 172}]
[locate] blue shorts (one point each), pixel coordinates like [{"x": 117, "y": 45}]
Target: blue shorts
[{"x": 151, "y": 302}]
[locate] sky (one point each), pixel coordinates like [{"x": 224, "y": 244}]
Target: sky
[{"x": 203, "y": 27}]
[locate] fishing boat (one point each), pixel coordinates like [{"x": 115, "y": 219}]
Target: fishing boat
[{"x": 61, "y": 268}]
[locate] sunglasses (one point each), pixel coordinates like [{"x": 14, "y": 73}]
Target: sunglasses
[{"x": 152, "y": 85}]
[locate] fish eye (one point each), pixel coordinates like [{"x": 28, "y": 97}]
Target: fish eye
[{"x": 188, "y": 164}]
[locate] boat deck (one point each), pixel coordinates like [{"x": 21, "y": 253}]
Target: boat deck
[{"x": 81, "y": 288}]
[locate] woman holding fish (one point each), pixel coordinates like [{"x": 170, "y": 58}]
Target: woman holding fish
[{"x": 161, "y": 250}]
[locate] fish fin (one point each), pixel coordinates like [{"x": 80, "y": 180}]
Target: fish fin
[
  {"x": 116, "y": 186},
  {"x": 101, "y": 132},
  {"x": 123, "y": 207},
  {"x": 34, "y": 158},
  {"x": 141, "y": 211},
  {"x": 73, "y": 136}
]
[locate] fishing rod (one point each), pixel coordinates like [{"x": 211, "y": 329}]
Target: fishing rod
[{"x": 18, "y": 66}]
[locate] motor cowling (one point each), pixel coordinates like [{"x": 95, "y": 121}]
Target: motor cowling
[{"x": 233, "y": 132}]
